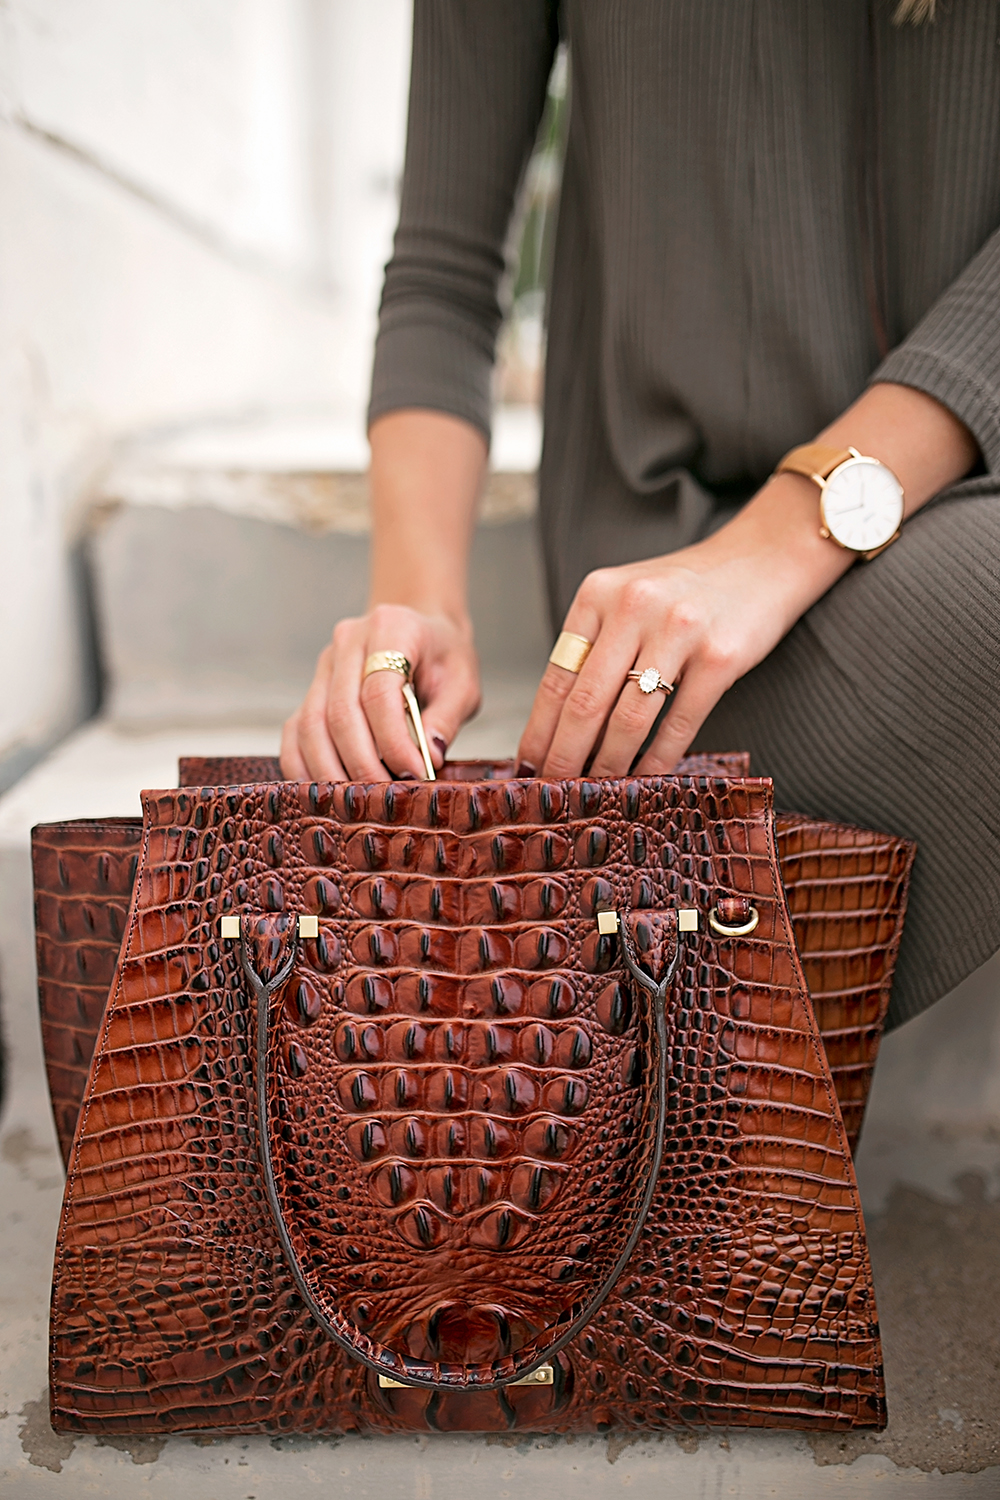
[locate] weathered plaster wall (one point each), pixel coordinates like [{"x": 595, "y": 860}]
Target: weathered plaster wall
[{"x": 173, "y": 176}]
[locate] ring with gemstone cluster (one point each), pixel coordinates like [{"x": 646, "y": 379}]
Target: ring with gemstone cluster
[
  {"x": 650, "y": 681},
  {"x": 387, "y": 661}
]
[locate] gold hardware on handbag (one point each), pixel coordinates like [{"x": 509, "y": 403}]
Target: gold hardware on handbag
[
  {"x": 541, "y": 1376},
  {"x": 733, "y": 929},
  {"x": 413, "y": 709}
]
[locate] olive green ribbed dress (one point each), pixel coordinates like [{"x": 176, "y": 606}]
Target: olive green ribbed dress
[{"x": 766, "y": 204}]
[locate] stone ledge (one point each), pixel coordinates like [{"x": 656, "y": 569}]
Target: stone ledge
[
  {"x": 300, "y": 471},
  {"x": 316, "y": 502}
]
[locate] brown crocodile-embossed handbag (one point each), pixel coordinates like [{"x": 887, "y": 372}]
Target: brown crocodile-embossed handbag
[{"x": 479, "y": 1105}]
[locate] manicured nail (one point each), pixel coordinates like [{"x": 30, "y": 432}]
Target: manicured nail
[
  {"x": 441, "y": 744},
  {"x": 525, "y": 768},
  {"x": 406, "y": 776}
]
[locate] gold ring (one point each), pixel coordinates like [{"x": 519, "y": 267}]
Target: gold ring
[
  {"x": 650, "y": 681},
  {"x": 387, "y": 661},
  {"x": 570, "y": 651},
  {"x": 738, "y": 929}
]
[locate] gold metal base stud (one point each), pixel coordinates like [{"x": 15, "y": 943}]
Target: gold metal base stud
[{"x": 541, "y": 1376}]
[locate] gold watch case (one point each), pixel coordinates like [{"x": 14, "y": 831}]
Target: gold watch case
[{"x": 861, "y": 505}]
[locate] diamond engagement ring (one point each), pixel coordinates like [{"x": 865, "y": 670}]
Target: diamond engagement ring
[{"x": 649, "y": 681}]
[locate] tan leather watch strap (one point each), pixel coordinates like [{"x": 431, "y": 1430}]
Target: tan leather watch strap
[{"x": 814, "y": 460}]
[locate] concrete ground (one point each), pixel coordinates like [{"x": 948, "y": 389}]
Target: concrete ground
[{"x": 929, "y": 1168}]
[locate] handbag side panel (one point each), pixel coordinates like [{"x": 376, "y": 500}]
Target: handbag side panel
[
  {"x": 83, "y": 872},
  {"x": 846, "y": 890}
]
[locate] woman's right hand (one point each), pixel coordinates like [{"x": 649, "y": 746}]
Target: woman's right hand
[
  {"x": 427, "y": 469},
  {"x": 349, "y": 729}
]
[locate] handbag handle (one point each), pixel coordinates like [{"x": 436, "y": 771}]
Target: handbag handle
[{"x": 379, "y": 1358}]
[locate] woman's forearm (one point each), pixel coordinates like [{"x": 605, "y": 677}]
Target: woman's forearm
[{"x": 427, "y": 471}]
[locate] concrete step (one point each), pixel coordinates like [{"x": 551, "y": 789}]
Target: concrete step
[{"x": 222, "y": 556}]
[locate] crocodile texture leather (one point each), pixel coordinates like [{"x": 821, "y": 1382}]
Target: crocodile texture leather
[
  {"x": 83, "y": 872},
  {"x": 456, "y": 1090},
  {"x": 846, "y": 891}
]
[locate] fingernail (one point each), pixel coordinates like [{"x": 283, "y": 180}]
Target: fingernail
[
  {"x": 525, "y": 768},
  {"x": 406, "y": 776},
  {"x": 441, "y": 744}
]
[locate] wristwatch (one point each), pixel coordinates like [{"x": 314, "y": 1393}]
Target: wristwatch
[{"x": 861, "y": 500}]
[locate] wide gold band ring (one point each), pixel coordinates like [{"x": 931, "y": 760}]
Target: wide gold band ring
[
  {"x": 650, "y": 681},
  {"x": 570, "y": 651},
  {"x": 387, "y": 661}
]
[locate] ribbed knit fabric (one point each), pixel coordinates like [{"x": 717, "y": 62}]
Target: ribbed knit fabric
[
  {"x": 882, "y": 708},
  {"x": 759, "y": 197}
]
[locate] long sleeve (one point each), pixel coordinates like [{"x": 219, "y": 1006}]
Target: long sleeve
[
  {"x": 477, "y": 91},
  {"x": 953, "y": 353}
]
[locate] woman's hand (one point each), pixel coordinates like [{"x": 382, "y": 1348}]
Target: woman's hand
[
  {"x": 705, "y": 615},
  {"x": 702, "y": 616},
  {"x": 354, "y": 729},
  {"x": 427, "y": 469}
]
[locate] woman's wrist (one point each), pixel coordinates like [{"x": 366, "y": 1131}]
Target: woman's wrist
[
  {"x": 777, "y": 534},
  {"x": 452, "y": 616},
  {"x": 399, "y": 578},
  {"x": 924, "y": 444},
  {"x": 426, "y": 474},
  {"x": 419, "y": 563},
  {"x": 775, "y": 542}
]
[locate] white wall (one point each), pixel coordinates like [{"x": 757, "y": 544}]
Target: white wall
[
  {"x": 197, "y": 198},
  {"x": 364, "y": 131}
]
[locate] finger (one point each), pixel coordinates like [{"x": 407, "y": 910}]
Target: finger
[
  {"x": 694, "y": 700},
  {"x": 384, "y": 733},
  {"x": 591, "y": 699},
  {"x": 346, "y": 714},
  {"x": 635, "y": 713},
  {"x": 385, "y": 710},
  {"x": 452, "y": 698},
  {"x": 316, "y": 748},
  {"x": 293, "y": 767},
  {"x": 554, "y": 688},
  {"x": 550, "y": 695}
]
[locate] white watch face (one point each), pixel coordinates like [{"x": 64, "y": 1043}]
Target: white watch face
[{"x": 862, "y": 504}]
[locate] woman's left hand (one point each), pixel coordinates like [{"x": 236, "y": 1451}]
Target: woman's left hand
[
  {"x": 707, "y": 614},
  {"x": 702, "y": 617}
]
